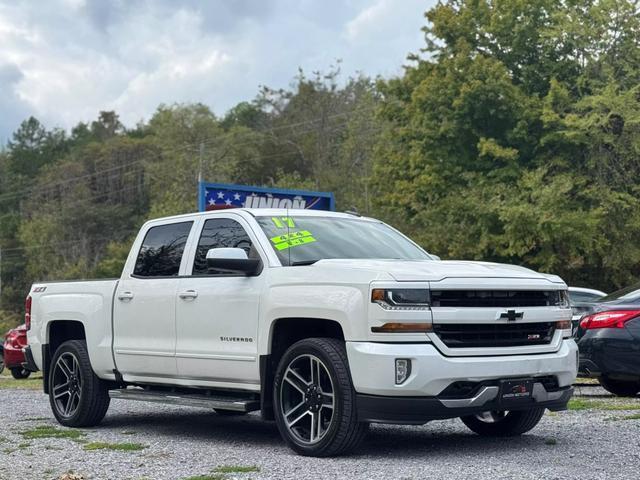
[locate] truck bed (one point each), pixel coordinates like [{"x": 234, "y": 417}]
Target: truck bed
[{"x": 87, "y": 301}]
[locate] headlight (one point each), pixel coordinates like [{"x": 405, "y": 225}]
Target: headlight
[{"x": 401, "y": 298}]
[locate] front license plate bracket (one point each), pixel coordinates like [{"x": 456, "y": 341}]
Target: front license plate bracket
[{"x": 516, "y": 392}]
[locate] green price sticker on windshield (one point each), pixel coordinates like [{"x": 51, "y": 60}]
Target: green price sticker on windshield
[
  {"x": 293, "y": 239},
  {"x": 283, "y": 222}
]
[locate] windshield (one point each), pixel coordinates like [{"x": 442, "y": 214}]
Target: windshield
[
  {"x": 300, "y": 240},
  {"x": 629, "y": 294}
]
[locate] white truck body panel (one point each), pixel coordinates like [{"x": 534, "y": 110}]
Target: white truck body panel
[{"x": 89, "y": 303}]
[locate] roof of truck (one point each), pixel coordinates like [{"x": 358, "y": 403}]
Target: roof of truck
[{"x": 267, "y": 212}]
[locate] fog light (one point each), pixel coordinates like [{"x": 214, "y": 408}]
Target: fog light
[{"x": 403, "y": 370}]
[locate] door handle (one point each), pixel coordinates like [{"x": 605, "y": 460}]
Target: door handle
[
  {"x": 125, "y": 296},
  {"x": 187, "y": 294}
]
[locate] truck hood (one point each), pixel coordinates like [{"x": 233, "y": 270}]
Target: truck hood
[{"x": 433, "y": 270}]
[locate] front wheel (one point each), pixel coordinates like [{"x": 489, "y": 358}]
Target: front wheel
[
  {"x": 77, "y": 396},
  {"x": 20, "y": 373},
  {"x": 314, "y": 399},
  {"x": 620, "y": 388},
  {"x": 503, "y": 424},
  {"x": 1, "y": 362}
]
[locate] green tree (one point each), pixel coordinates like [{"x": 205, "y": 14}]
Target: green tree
[{"x": 516, "y": 138}]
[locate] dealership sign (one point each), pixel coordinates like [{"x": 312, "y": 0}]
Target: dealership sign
[{"x": 218, "y": 196}]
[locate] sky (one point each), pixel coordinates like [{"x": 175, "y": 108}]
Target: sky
[{"x": 63, "y": 61}]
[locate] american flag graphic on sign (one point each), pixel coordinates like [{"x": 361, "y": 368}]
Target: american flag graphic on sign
[{"x": 222, "y": 196}]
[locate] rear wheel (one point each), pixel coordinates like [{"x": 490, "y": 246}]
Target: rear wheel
[
  {"x": 20, "y": 373},
  {"x": 77, "y": 396},
  {"x": 314, "y": 399},
  {"x": 503, "y": 424},
  {"x": 620, "y": 388},
  {"x": 1, "y": 363}
]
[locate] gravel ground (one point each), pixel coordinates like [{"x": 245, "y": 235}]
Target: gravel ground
[{"x": 181, "y": 443}]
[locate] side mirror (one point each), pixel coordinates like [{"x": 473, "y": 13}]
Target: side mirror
[
  {"x": 435, "y": 257},
  {"x": 233, "y": 260}
]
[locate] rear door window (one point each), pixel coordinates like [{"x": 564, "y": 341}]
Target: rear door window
[{"x": 161, "y": 251}]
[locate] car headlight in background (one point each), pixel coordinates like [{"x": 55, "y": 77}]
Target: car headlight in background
[{"x": 401, "y": 298}]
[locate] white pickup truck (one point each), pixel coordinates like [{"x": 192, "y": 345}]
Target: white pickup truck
[{"x": 324, "y": 321}]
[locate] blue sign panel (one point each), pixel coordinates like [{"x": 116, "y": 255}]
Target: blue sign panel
[{"x": 218, "y": 196}]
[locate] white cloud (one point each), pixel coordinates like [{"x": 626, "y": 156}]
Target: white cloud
[{"x": 65, "y": 60}]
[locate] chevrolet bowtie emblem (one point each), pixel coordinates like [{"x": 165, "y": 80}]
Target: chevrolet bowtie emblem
[{"x": 511, "y": 315}]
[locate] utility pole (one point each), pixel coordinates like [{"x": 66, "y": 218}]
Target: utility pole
[
  {"x": 201, "y": 162},
  {"x": 201, "y": 198}
]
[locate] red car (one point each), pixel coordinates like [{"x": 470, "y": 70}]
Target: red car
[{"x": 14, "y": 341}]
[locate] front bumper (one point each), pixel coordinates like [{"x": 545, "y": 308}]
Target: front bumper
[
  {"x": 373, "y": 368},
  {"x": 420, "y": 410}
]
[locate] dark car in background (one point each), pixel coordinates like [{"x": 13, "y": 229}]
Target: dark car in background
[
  {"x": 14, "y": 341},
  {"x": 609, "y": 342},
  {"x": 582, "y": 302}
]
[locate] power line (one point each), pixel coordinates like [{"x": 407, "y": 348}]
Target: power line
[
  {"x": 138, "y": 186},
  {"x": 148, "y": 174},
  {"x": 165, "y": 151}
]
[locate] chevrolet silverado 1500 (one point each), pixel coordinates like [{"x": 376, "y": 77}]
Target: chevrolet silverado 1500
[{"x": 325, "y": 322}]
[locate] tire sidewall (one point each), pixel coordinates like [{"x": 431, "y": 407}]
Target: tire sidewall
[
  {"x": 20, "y": 373},
  {"x": 620, "y": 388},
  {"x": 300, "y": 348},
  {"x": 510, "y": 425},
  {"x": 78, "y": 349}
]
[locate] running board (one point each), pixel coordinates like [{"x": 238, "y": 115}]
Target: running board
[{"x": 221, "y": 402}]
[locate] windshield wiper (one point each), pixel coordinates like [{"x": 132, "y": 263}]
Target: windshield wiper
[{"x": 304, "y": 262}]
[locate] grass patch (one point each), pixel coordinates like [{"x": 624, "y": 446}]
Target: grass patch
[
  {"x": 221, "y": 472},
  {"x": 236, "y": 469},
  {"x": 550, "y": 441},
  {"x": 587, "y": 380},
  {"x": 635, "y": 416},
  {"x": 206, "y": 477},
  {"x": 34, "y": 382},
  {"x": 129, "y": 432},
  {"x": 33, "y": 419},
  {"x": 121, "y": 447},
  {"x": 49, "y": 431},
  {"x": 578, "y": 404},
  {"x": 24, "y": 445}
]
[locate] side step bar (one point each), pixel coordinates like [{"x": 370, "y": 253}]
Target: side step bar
[{"x": 221, "y": 402}]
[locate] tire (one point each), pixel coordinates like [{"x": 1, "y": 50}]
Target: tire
[
  {"x": 620, "y": 388},
  {"x": 228, "y": 413},
  {"x": 1, "y": 363},
  {"x": 504, "y": 424},
  {"x": 20, "y": 373},
  {"x": 323, "y": 402},
  {"x": 88, "y": 394}
]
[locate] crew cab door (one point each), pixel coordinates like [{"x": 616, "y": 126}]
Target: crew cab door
[
  {"x": 144, "y": 322},
  {"x": 217, "y": 313}
]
